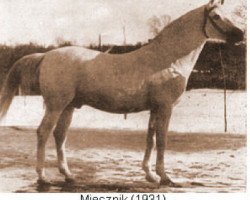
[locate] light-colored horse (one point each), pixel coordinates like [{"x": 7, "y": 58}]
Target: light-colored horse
[{"x": 151, "y": 78}]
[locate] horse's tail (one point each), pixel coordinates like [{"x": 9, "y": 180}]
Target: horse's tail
[{"x": 24, "y": 74}]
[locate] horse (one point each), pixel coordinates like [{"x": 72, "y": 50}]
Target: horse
[{"x": 151, "y": 78}]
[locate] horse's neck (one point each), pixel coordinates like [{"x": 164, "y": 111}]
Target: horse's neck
[{"x": 177, "y": 40}]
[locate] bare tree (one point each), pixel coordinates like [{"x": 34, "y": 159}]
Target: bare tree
[{"x": 156, "y": 24}]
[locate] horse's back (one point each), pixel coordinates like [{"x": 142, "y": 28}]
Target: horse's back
[{"x": 64, "y": 65}]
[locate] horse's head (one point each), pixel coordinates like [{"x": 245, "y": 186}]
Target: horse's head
[{"x": 218, "y": 26}]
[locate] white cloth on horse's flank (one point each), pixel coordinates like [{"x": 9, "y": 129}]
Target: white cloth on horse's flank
[{"x": 184, "y": 65}]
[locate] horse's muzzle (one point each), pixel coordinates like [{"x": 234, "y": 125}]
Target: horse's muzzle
[{"x": 235, "y": 36}]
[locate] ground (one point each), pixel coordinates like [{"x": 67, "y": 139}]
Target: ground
[{"x": 110, "y": 161}]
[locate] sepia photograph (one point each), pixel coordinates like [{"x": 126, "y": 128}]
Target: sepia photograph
[{"x": 132, "y": 96}]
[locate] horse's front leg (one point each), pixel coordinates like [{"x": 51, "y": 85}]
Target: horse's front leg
[
  {"x": 162, "y": 123},
  {"x": 146, "y": 166}
]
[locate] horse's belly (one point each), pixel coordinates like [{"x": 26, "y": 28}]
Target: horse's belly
[{"x": 114, "y": 101}]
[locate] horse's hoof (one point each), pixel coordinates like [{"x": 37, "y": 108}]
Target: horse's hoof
[
  {"x": 43, "y": 182},
  {"x": 169, "y": 183},
  {"x": 152, "y": 178}
]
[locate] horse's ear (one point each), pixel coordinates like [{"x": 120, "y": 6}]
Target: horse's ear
[{"x": 213, "y": 3}]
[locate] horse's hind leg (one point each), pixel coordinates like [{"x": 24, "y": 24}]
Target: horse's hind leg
[
  {"x": 49, "y": 121},
  {"x": 150, "y": 146},
  {"x": 60, "y": 139}
]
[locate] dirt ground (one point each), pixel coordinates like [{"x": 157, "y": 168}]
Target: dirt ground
[{"x": 110, "y": 161}]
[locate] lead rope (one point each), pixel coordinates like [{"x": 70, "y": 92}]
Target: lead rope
[{"x": 225, "y": 90}]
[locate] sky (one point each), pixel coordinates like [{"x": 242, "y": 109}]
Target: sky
[{"x": 82, "y": 21}]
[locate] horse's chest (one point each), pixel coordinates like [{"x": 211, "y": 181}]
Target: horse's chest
[{"x": 166, "y": 90}]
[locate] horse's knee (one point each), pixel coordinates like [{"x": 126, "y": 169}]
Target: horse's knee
[
  {"x": 41, "y": 138},
  {"x": 151, "y": 142}
]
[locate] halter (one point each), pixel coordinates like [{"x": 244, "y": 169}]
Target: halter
[{"x": 206, "y": 18}]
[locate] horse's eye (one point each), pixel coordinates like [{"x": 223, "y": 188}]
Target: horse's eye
[{"x": 216, "y": 17}]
